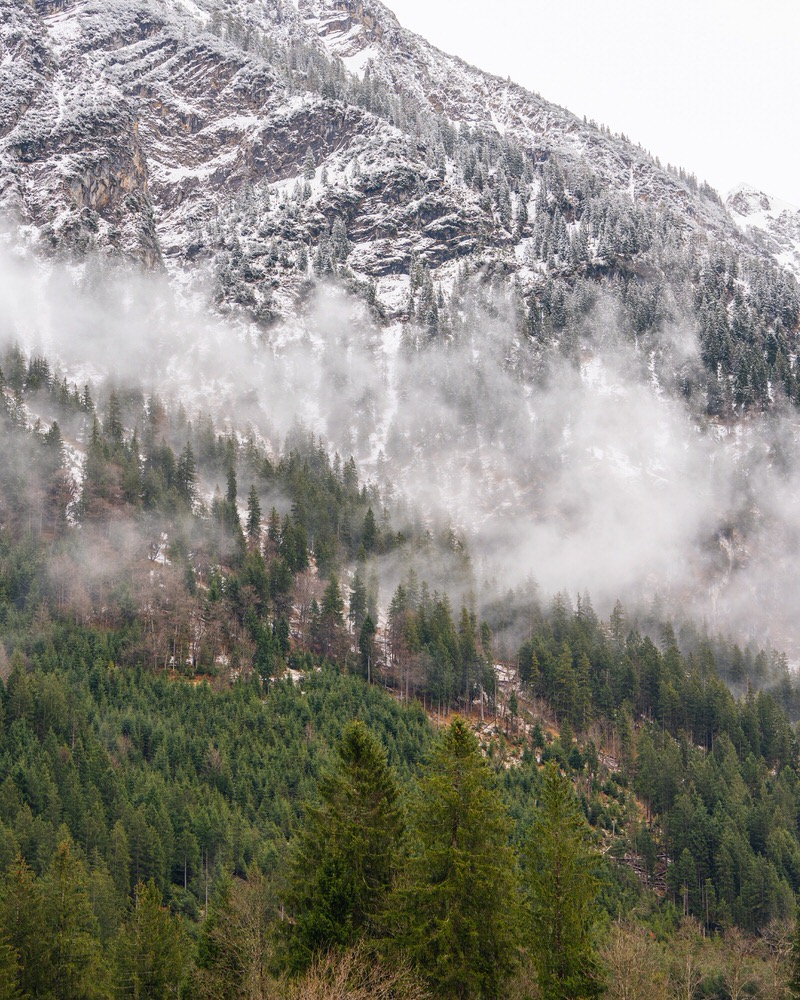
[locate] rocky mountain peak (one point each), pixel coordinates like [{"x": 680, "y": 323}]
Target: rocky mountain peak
[{"x": 772, "y": 223}]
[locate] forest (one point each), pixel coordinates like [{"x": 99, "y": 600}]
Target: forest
[{"x": 240, "y": 758}]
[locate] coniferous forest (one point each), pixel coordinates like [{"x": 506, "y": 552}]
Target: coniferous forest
[
  {"x": 327, "y": 362},
  {"x": 226, "y": 774}
]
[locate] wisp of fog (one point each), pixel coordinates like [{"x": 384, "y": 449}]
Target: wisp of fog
[{"x": 587, "y": 472}]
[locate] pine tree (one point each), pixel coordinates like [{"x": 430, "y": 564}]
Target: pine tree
[
  {"x": 9, "y": 970},
  {"x": 369, "y": 533},
  {"x": 340, "y": 246},
  {"x": 358, "y": 601},
  {"x": 23, "y": 932},
  {"x": 309, "y": 166},
  {"x": 562, "y": 888},
  {"x": 344, "y": 863},
  {"x": 112, "y": 426},
  {"x": 273, "y": 527},
  {"x": 76, "y": 962},
  {"x": 331, "y": 620},
  {"x": 186, "y": 476},
  {"x": 253, "y": 517},
  {"x": 24, "y": 966},
  {"x": 459, "y": 904},
  {"x": 151, "y": 950},
  {"x": 366, "y": 647}
]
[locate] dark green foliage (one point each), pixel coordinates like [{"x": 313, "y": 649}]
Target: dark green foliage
[
  {"x": 253, "y": 516},
  {"x": 23, "y": 931},
  {"x": 561, "y": 890},
  {"x": 345, "y": 861},
  {"x": 151, "y": 951},
  {"x": 459, "y": 901},
  {"x": 76, "y": 968},
  {"x": 121, "y": 765},
  {"x": 9, "y": 971},
  {"x": 329, "y": 631}
]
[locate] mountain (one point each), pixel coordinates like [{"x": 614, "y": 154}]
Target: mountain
[
  {"x": 116, "y": 111},
  {"x": 770, "y": 222},
  {"x": 522, "y": 322},
  {"x": 342, "y": 381}
]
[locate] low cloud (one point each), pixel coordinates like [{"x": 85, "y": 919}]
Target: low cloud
[{"x": 589, "y": 474}]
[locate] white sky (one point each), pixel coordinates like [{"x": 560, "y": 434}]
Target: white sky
[{"x": 709, "y": 85}]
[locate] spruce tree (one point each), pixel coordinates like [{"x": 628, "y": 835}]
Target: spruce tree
[
  {"x": 24, "y": 936},
  {"x": 358, "y": 601},
  {"x": 344, "y": 862},
  {"x": 75, "y": 957},
  {"x": 458, "y": 906},
  {"x": 186, "y": 476},
  {"x": 253, "y": 517},
  {"x": 562, "y": 891},
  {"x": 331, "y": 622},
  {"x": 151, "y": 950},
  {"x": 9, "y": 971},
  {"x": 369, "y": 532},
  {"x": 366, "y": 647}
]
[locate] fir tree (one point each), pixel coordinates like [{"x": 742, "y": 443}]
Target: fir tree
[
  {"x": 253, "y": 517},
  {"x": 459, "y": 903},
  {"x": 9, "y": 971},
  {"x": 75, "y": 958},
  {"x": 562, "y": 893},
  {"x": 345, "y": 858},
  {"x": 369, "y": 533},
  {"x": 366, "y": 647},
  {"x": 309, "y": 166},
  {"x": 151, "y": 951},
  {"x": 23, "y": 932},
  {"x": 186, "y": 476},
  {"x": 358, "y": 601}
]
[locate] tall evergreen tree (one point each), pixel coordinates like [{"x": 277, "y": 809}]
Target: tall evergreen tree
[
  {"x": 366, "y": 648},
  {"x": 186, "y": 476},
  {"x": 9, "y": 971},
  {"x": 331, "y": 631},
  {"x": 151, "y": 951},
  {"x": 562, "y": 892},
  {"x": 76, "y": 962},
  {"x": 358, "y": 601},
  {"x": 345, "y": 859},
  {"x": 459, "y": 901},
  {"x": 24, "y": 932},
  {"x": 253, "y": 517}
]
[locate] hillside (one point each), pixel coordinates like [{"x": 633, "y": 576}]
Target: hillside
[
  {"x": 432, "y": 268},
  {"x": 398, "y": 487}
]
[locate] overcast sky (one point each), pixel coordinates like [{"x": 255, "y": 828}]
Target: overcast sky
[{"x": 710, "y": 85}]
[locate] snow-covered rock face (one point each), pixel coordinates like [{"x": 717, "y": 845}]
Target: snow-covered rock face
[
  {"x": 234, "y": 147},
  {"x": 773, "y": 223},
  {"x": 129, "y": 125}
]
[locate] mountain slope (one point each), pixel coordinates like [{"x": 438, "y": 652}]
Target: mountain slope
[
  {"x": 521, "y": 321},
  {"x": 114, "y": 109},
  {"x": 770, "y": 222}
]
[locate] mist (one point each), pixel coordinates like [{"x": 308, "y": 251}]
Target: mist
[{"x": 587, "y": 472}]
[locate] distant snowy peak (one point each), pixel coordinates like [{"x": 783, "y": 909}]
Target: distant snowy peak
[
  {"x": 229, "y": 134},
  {"x": 773, "y": 223},
  {"x": 350, "y": 32},
  {"x": 755, "y": 207}
]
